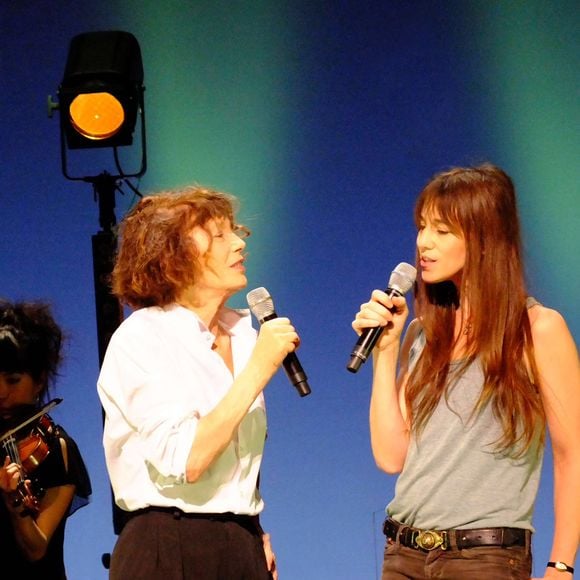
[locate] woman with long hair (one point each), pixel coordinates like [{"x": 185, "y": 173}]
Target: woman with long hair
[{"x": 460, "y": 407}]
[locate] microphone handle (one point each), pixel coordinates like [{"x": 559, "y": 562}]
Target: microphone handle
[
  {"x": 292, "y": 366},
  {"x": 296, "y": 374},
  {"x": 366, "y": 342}
]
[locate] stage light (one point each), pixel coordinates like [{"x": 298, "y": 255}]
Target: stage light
[
  {"x": 100, "y": 99},
  {"x": 96, "y": 116},
  {"x": 101, "y": 93}
]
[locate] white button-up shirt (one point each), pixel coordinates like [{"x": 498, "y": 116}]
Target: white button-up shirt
[{"x": 159, "y": 376}]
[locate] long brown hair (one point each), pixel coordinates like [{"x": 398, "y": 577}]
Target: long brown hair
[
  {"x": 480, "y": 204},
  {"x": 157, "y": 258}
]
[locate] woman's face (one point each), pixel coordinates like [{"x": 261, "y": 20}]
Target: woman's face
[
  {"x": 221, "y": 258},
  {"x": 442, "y": 250},
  {"x": 17, "y": 389}
]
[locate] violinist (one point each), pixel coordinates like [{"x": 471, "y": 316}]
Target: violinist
[{"x": 43, "y": 479}]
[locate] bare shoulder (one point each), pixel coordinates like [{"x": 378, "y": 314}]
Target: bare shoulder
[
  {"x": 547, "y": 324},
  {"x": 554, "y": 347}
]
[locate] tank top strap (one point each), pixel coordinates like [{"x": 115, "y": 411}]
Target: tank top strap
[{"x": 531, "y": 301}]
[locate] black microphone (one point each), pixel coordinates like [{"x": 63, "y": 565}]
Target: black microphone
[
  {"x": 401, "y": 281},
  {"x": 262, "y": 307}
]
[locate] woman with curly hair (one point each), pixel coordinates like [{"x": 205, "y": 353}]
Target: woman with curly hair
[
  {"x": 36, "y": 501},
  {"x": 181, "y": 385},
  {"x": 459, "y": 409}
]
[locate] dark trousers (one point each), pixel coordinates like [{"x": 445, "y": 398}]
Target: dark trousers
[
  {"x": 157, "y": 545},
  {"x": 479, "y": 563}
]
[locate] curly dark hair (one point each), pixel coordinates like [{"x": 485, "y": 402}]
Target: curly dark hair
[{"x": 30, "y": 341}]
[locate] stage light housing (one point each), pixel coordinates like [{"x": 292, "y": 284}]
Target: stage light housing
[{"x": 101, "y": 93}]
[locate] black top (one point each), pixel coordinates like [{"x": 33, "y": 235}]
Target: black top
[{"x": 50, "y": 473}]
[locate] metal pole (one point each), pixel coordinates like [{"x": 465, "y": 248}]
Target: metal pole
[{"x": 109, "y": 311}]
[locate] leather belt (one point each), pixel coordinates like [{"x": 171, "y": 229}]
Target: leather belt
[{"x": 459, "y": 538}]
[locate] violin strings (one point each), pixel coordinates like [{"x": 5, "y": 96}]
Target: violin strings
[{"x": 12, "y": 451}]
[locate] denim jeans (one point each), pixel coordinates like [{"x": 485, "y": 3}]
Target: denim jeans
[{"x": 479, "y": 563}]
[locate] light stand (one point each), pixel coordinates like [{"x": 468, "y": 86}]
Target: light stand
[{"x": 103, "y": 65}]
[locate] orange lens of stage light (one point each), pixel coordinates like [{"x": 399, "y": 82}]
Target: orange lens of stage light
[{"x": 96, "y": 116}]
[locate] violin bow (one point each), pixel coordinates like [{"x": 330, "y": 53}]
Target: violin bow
[{"x": 43, "y": 411}]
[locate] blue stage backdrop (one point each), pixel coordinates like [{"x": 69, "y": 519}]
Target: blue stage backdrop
[{"x": 324, "y": 119}]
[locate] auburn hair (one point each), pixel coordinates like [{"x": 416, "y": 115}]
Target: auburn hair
[
  {"x": 157, "y": 258},
  {"x": 479, "y": 203}
]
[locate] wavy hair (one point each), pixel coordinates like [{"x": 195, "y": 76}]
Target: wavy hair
[
  {"x": 157, "y": 258},
  {"x": 480, "y": 204},
  {"x": 30, "y": 342}
]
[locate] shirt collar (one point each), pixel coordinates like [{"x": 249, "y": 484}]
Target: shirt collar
[{"x": 233, "y": 320}]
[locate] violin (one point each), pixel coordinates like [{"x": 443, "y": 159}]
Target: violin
[{"x": 28, "y": 451}]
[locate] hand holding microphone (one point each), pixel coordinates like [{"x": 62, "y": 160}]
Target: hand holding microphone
[
  {"x": 401, "y": 281},
  {"x": 262, "y": 307}
]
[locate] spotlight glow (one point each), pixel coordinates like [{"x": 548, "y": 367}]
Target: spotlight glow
[{"x": 96, "y": 115}]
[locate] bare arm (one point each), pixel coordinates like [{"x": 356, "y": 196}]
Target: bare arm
[
  {"x": 34, "y": 534},
  {"x": 388, "y": 413},
  {"x": 557, "y": 360},
  {"x": 387, "y": 416},
  {"x": 215, "y": 430}
]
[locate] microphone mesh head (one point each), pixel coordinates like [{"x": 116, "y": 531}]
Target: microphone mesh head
[
  {"x": 402, "y": 278},
  {"x": 260, "y": 303}
]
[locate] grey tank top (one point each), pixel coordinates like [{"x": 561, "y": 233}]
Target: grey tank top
[{"x": 453, "y": 477}]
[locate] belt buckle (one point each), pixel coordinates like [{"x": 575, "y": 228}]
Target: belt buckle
[{"x": 431, "y": 539}]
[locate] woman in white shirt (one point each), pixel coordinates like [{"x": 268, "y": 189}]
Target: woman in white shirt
[{"x": 181, "y": 385}]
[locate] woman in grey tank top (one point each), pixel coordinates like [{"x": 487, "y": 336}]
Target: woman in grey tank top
[{"x": 460, "y": 406}]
